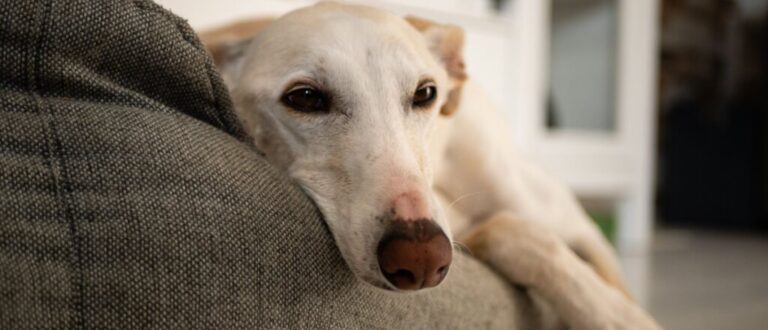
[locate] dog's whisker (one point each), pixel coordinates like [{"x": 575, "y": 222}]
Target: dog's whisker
[
  {"x": 472, "y": 194},
  {"x": 460, "y": 246}
]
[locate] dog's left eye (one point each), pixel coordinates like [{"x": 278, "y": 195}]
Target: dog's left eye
[
  {"x": 306, "y": 99},
  {"x": 424, "y": 95}
]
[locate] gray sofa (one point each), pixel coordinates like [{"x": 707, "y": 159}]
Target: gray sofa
[{"x": 129, "y": 199}]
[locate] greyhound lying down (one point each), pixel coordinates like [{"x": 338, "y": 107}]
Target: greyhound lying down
[{"x": 374, "y": 117}]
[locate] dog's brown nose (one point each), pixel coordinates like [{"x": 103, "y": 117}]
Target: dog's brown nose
[{"x": 414, "y": 254}]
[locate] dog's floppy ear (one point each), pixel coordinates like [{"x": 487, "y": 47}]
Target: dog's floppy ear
[
  {"x": 447, "y": 43},
  {"x": 227, "y": 44}
]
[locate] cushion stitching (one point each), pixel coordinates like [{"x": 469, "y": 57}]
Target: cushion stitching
[{"x": 55, "y": 161}]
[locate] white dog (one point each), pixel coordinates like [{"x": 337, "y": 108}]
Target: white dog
[{"x": 373, "y": 116}]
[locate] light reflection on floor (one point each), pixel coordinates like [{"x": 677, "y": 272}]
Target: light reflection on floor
[{"x": 703, "y": 280}]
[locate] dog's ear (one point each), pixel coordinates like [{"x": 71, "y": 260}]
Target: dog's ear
[
  {"x": 447, "y": 43},
  {"x": 227, "y": 44}
]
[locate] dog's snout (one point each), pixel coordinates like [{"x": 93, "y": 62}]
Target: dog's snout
[
  {"x": 411, "y": 206},
  {"x": 414, "y": 254}
]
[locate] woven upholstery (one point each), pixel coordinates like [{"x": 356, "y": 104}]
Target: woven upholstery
[{"x": 128, "y": 199}]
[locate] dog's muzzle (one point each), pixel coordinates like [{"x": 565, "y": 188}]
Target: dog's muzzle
[{"x": 414, "y": 254}]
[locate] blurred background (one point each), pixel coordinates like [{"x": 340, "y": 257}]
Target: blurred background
[{"x": 653, "y": 111}]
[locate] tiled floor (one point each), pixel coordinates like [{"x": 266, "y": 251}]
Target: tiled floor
[{"x": 707, "y": 280}]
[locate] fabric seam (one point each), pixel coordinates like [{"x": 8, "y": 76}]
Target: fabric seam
[{"x": 56, "y": 161}]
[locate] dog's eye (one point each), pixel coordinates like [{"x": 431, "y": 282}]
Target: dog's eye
[
  {"x": 424, "y": 95},
  {"x": 306, "y": 99}
]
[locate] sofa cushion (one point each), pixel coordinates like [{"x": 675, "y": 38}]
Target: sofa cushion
[{"x": 128, "y": 198}]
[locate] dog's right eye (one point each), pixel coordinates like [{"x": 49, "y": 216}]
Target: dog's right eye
[
  {"x": 425, "y": 95},
  {"x": 306, "y": 99}
]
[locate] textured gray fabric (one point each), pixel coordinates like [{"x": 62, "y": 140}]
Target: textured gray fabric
[{"x": 127, "y": 199}]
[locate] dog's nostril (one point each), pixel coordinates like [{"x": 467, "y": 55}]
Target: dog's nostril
[
  {"x": 442, "y": 271},
  {"x": 401, "y": 277},
  {"x": 405, "y": 274}
]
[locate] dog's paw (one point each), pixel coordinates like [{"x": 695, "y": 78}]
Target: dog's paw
[{"x": 523, "y": 251}]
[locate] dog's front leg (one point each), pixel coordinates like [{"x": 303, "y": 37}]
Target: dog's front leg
[{"x": 530, "y": 255}]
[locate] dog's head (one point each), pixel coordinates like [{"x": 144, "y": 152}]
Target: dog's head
[{"x": 345, "y": 99}]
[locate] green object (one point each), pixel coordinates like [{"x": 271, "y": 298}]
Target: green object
[{"x": 607, "y": 224}]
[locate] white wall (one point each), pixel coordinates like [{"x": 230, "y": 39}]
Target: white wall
[{"x": 203, "y": 14}]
